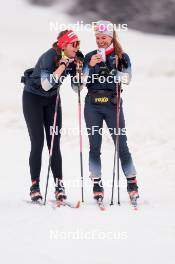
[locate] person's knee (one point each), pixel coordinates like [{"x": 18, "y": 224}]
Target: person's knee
[{"x": 37, "y": 145}]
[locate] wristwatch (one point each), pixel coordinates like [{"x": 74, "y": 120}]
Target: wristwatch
[{"x": 63, "y": 63}]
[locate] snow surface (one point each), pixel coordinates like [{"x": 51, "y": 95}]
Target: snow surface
[{"x": 32, "y": 233}]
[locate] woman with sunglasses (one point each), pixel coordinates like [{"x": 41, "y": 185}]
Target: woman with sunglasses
[
  {"x": 100, "y": 104},
  {"x": 39, "y": 98}
]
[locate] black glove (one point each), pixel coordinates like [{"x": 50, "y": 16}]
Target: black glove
[{"x": 124, "y": 61}]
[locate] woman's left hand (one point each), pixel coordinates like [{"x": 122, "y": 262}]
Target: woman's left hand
[{"x": 64, "y": 60}]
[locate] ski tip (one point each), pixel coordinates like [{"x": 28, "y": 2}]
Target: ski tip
[{"x": 78, "y": 204}]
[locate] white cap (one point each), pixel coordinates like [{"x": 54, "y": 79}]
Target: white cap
[{"x": 104, "y": 27}]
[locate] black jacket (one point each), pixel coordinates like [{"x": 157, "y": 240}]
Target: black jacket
[
  {"x": 43, "y": 71},
  {"x": 124, "y": 66}
]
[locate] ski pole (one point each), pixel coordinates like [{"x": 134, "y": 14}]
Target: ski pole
[
  {"x": 118, "y": 138},
  {"x": 52, "y": 142},
  {"x": 80, "y": 132},
  {"x": 116, "y": 151}
]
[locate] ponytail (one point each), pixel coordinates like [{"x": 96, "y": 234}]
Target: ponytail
[{"x": 117, "y": 46}]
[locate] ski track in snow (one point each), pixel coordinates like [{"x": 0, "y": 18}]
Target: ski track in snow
[{"x": 26, "y": 230}]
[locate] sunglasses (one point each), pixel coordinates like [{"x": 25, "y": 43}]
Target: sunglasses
[{"x": 75, "y": 44}]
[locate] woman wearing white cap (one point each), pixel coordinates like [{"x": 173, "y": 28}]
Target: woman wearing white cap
[{"x": 101, "y": 67}]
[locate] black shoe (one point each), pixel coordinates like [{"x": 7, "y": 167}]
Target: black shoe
[
  {"x": 98, "y": 189},
  {"x": 60, "y": 191},
  {"x": 35, "y": 194},
  {"x": 132, "y": 187}
]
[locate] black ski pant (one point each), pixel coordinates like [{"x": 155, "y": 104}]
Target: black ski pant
[{"x": 39, "y": 115}]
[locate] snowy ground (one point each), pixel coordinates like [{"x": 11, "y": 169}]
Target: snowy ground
[{"x": 27, "y": 232}]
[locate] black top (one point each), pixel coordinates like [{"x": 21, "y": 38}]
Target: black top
[{"x": 43, "y": 70}]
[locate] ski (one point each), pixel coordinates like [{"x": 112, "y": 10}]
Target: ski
[
  {"x": 133, "y": 201},
  {"x": 37, "y": 202},
  {"x": 134, "y": 204},
  {"x": 101, "y": 205},
  {"x": 68, "y": 204}
]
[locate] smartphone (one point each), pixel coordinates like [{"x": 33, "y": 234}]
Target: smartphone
[{"x": 101, "y": 51}]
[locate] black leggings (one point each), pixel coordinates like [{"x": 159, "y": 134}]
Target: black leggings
[{"x": 39, "y": 114}]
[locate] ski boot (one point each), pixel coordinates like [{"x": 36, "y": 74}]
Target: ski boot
[
  {"x": 132, "y": 190},
  {"x": 60, "y": 191},
  {"x": 98, "y": 189},
  {"x": 35, "y": 194}
]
